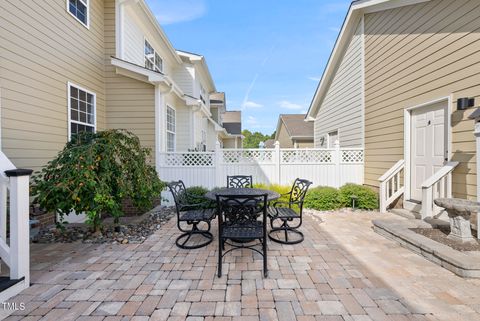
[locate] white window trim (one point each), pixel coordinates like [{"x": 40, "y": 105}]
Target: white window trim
[
  {"x": 145, "y": 40},
  {"x": 328, "y": 138},
  {"x": 169, "y": 131},
  {"x": 69, "y": 85},
  {"x": 87, "y": 4}
]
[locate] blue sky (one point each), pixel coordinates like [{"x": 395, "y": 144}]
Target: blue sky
[{"x": 267, "y": 55}]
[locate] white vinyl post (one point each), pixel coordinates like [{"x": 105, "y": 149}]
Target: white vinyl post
[
  {"x": 19, "y": 224},
  {"x": 218, "y": 165},
  {"x": 277, "y": 160},
  {"x": 477, "y": 139},
  {"x": 338, "y": 159}
]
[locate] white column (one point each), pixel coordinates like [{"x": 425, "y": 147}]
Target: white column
[
  {"x": 477, "y": 139},
  {"x": 338, "y": 159},
  {"x": 160, "y": 144},
  {"x": 219, "y": 180},
  {"x": 19, "y": 224},
  {"x": 277, "y": 159}
]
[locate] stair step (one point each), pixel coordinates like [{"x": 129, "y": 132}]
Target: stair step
[
  {"x": 405, "y": 213},
  {"x": 6, "y": 282}
]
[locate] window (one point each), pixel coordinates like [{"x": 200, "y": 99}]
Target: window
[
  {"x": 202, "y": 94},
  {"x": 79, "y": 9},
  {"x": 81, "y": 110},
  {"x": 332, "y": 138},
  {"x": 153, "y": 60},
  {"x": 170, "y": 129}
]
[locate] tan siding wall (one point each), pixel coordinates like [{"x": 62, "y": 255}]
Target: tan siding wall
[
  {"x": 283, "y": 137},
  {"x": 304, "y": 144},
  {"x": 417, "y": 54},
  {"x": 42, "y": 47},
  {"x": 130, "y": 103}
]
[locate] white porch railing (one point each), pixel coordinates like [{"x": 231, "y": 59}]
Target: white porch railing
[
  {"x": 326, "y": 167},
  {"x": 391, "y": 185},
  {"x": 14, "y": 214},
  {"x": 438, "y": 185}
]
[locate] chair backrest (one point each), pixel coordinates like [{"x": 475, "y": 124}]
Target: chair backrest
[
  {"x": 299, "y": 190},
  {"x": 244, "y": 210},
  {"x": 240, "y": 181},
  {"x": 178, "y": 191}
]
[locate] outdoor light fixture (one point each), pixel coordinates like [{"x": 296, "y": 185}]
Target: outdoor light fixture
[{"x": 464, "y": 103}]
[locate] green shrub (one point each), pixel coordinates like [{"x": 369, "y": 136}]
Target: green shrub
[
  {"x": 366, "y": 197},
  {"x": 93, "y": 174},
  {"x": 322, "y": 198},
  {"x": 196, "y": 195},
  {"x": 280, "y": 189}
]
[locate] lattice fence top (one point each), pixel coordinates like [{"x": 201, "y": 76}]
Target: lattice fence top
[
  {"x": 306, "y": 156},
  {"x": 189, "y": 159},
  {"x": 351, "y": 156},
  {"x": 247, "y": 156}
]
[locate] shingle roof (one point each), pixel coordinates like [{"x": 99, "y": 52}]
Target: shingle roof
[{"x": 297, "y": 126}]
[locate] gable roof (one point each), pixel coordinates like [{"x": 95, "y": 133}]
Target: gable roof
[
  {"x": 196, "y": 58},
  {"x": 296, "y": 126},
  {"x": 355, "y": 13}
]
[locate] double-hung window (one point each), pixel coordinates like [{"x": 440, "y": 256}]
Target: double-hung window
[
  {"x": 153, "y": 60},
  {"x": 170, "y": 129},
  {"x": 79, "y": 9},
  {"x": 82, "y": 110}
]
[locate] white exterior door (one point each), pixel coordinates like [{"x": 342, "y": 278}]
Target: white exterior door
[{"x": 428, "y": 144}]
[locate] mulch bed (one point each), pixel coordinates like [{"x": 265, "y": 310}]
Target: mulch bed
[
  {"x": 439, "y": 234},
  {"x": 132, "y": 230}
]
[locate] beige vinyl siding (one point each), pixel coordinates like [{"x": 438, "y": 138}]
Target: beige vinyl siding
[
  {"x": 342, "y": 107},
  {"x": 134, "y": 41},
  {"x": 416, "y": 54},
  {"x": 42, "y": 47},
  {"x": 283, "y": 137},
  {"x": 130, "y": 103},
  {"x": 184, "y": 128},
  {"x": 183, "y": 76}
]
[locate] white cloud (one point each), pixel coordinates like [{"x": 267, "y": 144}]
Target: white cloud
[
  {"x": 315, "y": 78},
  {"x": 251, "y": 104},
  {"x": 289, "y": 105},
  {"x": 252, "y": 121},
  {"x": 169, "y": 12}
]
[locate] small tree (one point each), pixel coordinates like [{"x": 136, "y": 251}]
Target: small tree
[{"x": 93, "y": 174}]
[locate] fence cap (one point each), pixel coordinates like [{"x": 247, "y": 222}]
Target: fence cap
[{"x": 18, "y": 172}]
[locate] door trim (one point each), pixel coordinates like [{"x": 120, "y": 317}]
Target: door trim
[{"x": 407, "y": 136}]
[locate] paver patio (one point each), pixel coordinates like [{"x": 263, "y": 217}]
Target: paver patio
[{"x": 342, "y": 271}]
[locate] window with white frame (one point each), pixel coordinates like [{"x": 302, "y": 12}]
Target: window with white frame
[
  {"x": 79, "y": 9},
  {"x": 332, "y": 138},
  {"x": 170, "y": 129},
  {"x": 82, "y": 110},
  {"x": 153, "y": 60}
]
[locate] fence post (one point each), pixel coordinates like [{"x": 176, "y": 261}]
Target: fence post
[
  {"x": 338, "y": 159},
  {"x": 19, "y": 224},
  {"x": 218, "y": 165},
  {"x": 277, "y": 160}
]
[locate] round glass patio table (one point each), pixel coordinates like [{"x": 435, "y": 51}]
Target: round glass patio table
[{"x": 271, "y": 195}]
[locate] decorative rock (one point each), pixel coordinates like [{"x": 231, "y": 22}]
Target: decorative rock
[{"x": 459, "y": 212}]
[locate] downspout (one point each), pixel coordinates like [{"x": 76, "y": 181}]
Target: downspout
[{"x": 160, "y": 146}]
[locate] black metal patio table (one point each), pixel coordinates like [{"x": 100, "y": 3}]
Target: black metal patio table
[{"x": 271, "y": 196}]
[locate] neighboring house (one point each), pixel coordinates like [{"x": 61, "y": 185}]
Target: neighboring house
[
  {"x": 83, "y": 65},
  {"x": 269, "y": 143},
  {"x": 231, "y": 121},
  {"x": 392, "y": 85},
  {"x": 294, "y": 132}
]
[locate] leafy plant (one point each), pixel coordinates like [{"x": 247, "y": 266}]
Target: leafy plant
[
  {"x": 366, "y": 197},
  {"x": 195, "y": 195},
  {"x": 322, "y": 198},
  {"x": 93, "y": 173}
]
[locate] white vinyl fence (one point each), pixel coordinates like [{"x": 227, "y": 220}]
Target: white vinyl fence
[{"x": 324, "y": 167}]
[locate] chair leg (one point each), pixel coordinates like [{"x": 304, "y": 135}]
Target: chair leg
[
  {"x": 220, "y": 247},
  {"x": 183, "y": 244},
  {"x": 286, "y": 230},
  {"x": 264, "y": 245}
]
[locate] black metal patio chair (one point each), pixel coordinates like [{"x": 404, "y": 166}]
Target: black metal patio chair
[
  {"x": 284, "y": 213},
  {"x": 242, "y": 217},
  {"x": 240, "y": 181},
  {"x": 191, "y": 210}
]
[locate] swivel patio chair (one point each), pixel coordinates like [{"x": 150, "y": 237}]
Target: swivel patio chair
[
  {"x": 191, "y": 210},
  {"x": 242, "y": 217},
  {"x": 284, "y": 213},
  {"x": 240, "y": 181}
]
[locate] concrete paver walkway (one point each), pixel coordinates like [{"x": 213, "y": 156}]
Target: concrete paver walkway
[{"x": 342, "y": 271}]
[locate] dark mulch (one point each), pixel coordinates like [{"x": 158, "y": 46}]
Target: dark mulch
[{"x": 439, "y": 234}]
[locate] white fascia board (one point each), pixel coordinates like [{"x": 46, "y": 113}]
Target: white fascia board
[
  {"x": 356, "y": 11},
  {"x": 151, "y": 76}
]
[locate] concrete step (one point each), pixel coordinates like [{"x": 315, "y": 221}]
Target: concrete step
[{"x": 405, "y": 213}]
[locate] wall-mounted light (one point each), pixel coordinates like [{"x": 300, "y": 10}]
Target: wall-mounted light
[{"x": 464, "y": 103}]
